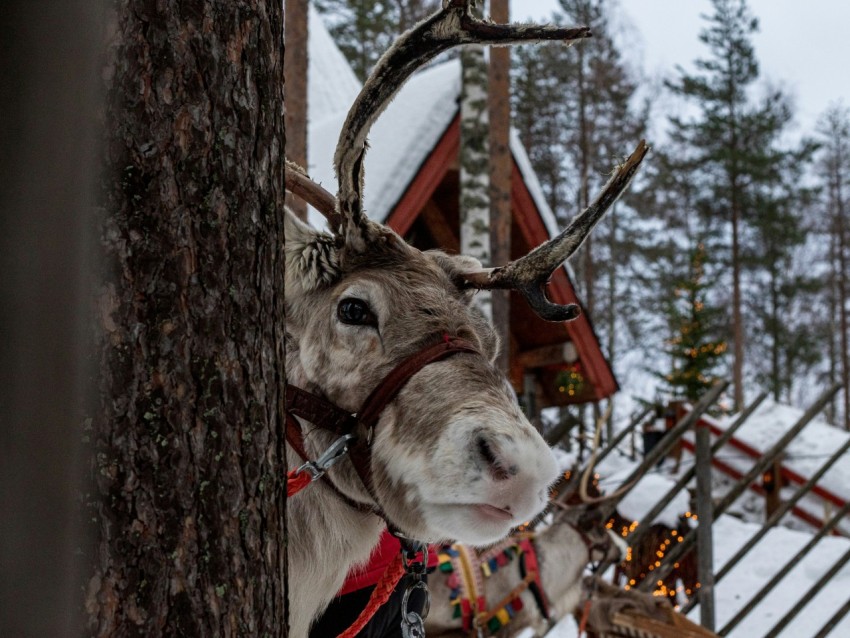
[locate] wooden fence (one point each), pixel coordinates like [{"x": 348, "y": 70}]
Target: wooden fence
[{"x": 764, "y": 464}]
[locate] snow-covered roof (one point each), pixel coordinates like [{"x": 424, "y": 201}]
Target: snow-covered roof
[
  {"x": 401, "y": 139},
  {"x": 331, "y": 85}
]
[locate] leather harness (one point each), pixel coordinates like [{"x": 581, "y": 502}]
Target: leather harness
[{"x": 327, "y": 416}]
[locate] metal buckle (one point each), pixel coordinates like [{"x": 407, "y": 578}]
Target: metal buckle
[{"x": 339, "y": 448}]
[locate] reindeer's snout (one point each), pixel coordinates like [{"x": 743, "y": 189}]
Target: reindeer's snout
[
  {"x": 492, "y": 459},
  {"x": 515, "y": 470}
]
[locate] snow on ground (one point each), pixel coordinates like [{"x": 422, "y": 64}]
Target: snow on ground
[
  {"x": 762, "y": 562},
  {"x": 735, "y": 590},
  {"x": 806, "y": 452}
]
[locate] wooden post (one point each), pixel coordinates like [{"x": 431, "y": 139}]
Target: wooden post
[
  {"x": 705, "y": 546},
  {"x": 771, "y": 482},
  {"x": 295, "y": 64},
  {"x": 775, "y": 517},
  {"x": 686, "y": 477},
  {"x": 679, "y": 550},
  {"x": 500, "y": 175}
]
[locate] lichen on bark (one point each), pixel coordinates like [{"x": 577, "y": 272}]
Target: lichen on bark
[{"x": 187, "y": 507}]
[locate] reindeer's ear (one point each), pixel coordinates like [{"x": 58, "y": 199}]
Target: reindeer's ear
[
  {"x": 456, "y": 266},
  {"x": 312, "y": 257}
]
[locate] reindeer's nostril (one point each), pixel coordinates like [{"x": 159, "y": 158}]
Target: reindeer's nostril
[{"x": 485, "y": 451}]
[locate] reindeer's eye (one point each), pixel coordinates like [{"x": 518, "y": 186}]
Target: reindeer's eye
[{"x": 355, "y": 312}]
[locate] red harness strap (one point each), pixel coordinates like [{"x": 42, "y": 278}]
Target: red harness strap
[
  {"x": 329, "y": 417},
  {"x": 297, "y": 481},
  {"x": 381, "y": 594},
  {"x": 529, "y": 565}
]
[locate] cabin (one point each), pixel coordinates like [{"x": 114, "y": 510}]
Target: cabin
[{"x": 412, "y": 184}]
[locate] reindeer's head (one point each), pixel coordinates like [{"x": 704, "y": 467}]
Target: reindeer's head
[{"x": 452, "y": 456}]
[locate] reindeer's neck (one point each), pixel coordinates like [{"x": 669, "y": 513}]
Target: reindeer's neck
[{"x": 327, "y": 537}]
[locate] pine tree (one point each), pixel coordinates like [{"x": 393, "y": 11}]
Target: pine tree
[
  {"x": 696, "y": 350},
  {"x": 731, "y": 145}
]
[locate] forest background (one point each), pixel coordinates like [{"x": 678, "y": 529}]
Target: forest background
[{"x": 729, "y": 256}]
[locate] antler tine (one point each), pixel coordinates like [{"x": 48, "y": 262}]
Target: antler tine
[
  {"x": 530, "y": 273},
  {"x": 314, "y": 194},
  {"x": 450, "y": 27}
]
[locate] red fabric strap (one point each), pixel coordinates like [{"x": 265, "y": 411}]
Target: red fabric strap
[
  {"x": 296, "y": 481},
  {"x": 380, "y": 595}
]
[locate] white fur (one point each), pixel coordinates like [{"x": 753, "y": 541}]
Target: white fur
[{"x": 434, "y": 491}]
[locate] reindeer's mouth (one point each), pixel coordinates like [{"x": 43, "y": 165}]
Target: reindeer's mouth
[{"x": 491, "y": 512}]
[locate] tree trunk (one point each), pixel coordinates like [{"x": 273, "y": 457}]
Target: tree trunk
[
  {"x": 295, "y": 63},
  {"x": 501, "y": 165},
  {"x": 842, "y": 289},
  {"x": 475, "y": 166},
  {"x": 188, "y": 506},
  {"x": 737, "y": 318},
  {"x": 775, "y": 371},
  {"x": 612, "y": 306},
  {"x": 48, "y": 106}
]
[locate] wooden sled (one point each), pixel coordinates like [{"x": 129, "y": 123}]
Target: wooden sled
[
  {"x": 636, "y": 626},
  {"x": 616, "y": 613}
]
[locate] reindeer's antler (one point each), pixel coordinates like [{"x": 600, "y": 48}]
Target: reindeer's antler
[
  {"x": 453, "y": 26},
  {"x": 530, "y": 273},
  {"x": 450, "y": 27},
  {"x": 298, "y": 183}
]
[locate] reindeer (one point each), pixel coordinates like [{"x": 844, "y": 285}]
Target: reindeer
[
  {"x": 563, "y": 548},
  {"x": 389, "y": 364}
]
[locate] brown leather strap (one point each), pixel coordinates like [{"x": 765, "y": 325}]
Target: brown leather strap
[
  {"x": 318, "y": 411},
  {"x": 327, "y": 416},
  {"x": 401, "y": 374}
]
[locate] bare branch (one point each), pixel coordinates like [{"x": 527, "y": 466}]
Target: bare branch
[
  {"x": 529, "y": 274},
  {"x": 450, "y": 27},
  {"x": 314, "y": 194}
]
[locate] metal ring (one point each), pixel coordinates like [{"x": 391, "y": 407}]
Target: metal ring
[{"x": 426, "y": 607}]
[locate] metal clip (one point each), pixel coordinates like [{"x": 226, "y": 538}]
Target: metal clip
[
  {"x": 412, "y": 623},
  {"x": 339, "y": 448}
]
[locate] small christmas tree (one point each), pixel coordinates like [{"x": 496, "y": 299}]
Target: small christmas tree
[{"x": 694, "y": 349}]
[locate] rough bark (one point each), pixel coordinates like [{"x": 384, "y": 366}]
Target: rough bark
[
  {"x": 295, "y": 63},
  {"x": 500, "y": 176},
  {"x": 188, "y": 507},
  {"x": 48, "y": 100}
]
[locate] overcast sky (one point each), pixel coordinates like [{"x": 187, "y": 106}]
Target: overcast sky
[{"x": 802, "y": 46}]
